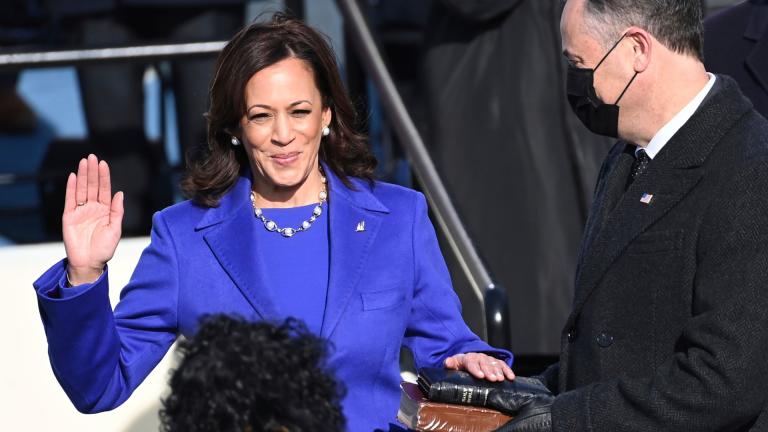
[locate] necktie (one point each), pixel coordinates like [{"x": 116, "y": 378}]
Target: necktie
[{"x": 639, "y": 166}]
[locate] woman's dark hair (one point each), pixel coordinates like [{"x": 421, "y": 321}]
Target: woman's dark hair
[
  {"x": 214, "y": 169},
  {"x": 237, "y": 376}
]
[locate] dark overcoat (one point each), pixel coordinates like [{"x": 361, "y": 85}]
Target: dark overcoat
[
  {"x": 736, "y": 44},
  {"x": 669, "y": 327}
]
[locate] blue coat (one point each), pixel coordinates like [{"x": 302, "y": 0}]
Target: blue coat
[{"x": 388, "y": 286}]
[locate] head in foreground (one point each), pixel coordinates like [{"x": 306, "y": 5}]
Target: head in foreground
[{"x": 238, "y": 376}]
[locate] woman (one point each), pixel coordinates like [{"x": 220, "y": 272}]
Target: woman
[{"x": 284, "y": 220}]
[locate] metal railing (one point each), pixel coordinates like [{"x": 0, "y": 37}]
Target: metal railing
[
  {"x": 490, "y": 295},
  {"x": 14, "y": 61}
]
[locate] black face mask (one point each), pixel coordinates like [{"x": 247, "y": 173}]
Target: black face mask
[{"x": 597, "y": 116}]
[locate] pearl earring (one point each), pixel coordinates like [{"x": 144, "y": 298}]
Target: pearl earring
[
  {"x": 235, "y": 142},
  {"x": 326, "y": 131}
]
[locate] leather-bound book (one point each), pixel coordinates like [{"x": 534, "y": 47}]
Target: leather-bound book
[
  {"x": 459, "y": 387},
  {"x": 420, "y": 414}
]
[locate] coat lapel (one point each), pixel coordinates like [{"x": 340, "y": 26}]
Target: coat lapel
[
  {"x": 349, "y": 246},
  {"x": 672, "y": 174},
  {"x": 630, "y": 218},
  {"x": 608, "y": 194},
  {"x": 757, "y": 30},
  {"x": 229, "y": 233}
]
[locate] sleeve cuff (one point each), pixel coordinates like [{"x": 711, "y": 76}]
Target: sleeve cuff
[
  {"x": 481, "y": 347},
  {"x": 53, "y": 284},
  {"x": 550, "y": 377},
  {"x": 570, "y": 411}
]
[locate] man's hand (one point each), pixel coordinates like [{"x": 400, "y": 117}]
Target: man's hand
[
  {"x": 480, "y": 366},
  {"x": 534, "y": 416}
]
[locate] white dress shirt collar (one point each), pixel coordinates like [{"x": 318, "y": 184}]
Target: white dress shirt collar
[{"x": 669, "y": 130}]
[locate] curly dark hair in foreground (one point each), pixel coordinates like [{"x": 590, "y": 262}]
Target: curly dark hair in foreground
[{"x": 238, "y": 376}]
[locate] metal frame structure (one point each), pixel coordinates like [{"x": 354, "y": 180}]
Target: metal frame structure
[
  {"x": 490, "y": 295},
  {"x": 24, "y": 60}
]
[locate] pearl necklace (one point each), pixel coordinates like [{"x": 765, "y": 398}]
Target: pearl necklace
[{"x": 289, "y": 232}]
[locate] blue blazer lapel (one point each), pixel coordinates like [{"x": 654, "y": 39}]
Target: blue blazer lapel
[
  {"x": 349, "y": 247},
  {"x": 229, "y": 233}
]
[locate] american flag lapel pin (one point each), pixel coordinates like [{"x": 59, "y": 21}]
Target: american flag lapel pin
[{"x": 646, "y": 198}]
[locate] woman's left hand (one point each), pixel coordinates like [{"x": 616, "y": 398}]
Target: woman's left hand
[{"x": 480, "y": 366}]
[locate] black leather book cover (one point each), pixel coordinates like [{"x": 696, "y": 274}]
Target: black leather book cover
[{"x": 459, "y": 387}]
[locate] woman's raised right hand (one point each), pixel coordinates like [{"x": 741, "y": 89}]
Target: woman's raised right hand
[{"x": 92, "y": 220}]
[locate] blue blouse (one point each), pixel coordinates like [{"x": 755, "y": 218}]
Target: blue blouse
[{"x": 297, "y": 266}]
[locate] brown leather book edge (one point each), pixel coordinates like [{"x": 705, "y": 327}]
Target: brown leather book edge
[{"x": 418, "y": 413}]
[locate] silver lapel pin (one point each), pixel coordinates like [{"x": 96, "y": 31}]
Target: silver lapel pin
[{"x": 360, "y": 226}]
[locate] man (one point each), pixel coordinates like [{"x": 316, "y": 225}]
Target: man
[
  {"x": 669, "y": 327},
  {"x": 737, "y": 45}
]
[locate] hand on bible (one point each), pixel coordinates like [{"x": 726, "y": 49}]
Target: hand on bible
[{"x": 480, "y": 366}]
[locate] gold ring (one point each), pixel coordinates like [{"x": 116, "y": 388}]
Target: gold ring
[{"x": 80, "y": 204}]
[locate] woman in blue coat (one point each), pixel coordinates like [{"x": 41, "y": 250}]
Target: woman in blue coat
[{"x": 284, "y": 219}]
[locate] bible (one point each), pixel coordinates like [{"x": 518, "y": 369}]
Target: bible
[{"x": 418, "y": 413}]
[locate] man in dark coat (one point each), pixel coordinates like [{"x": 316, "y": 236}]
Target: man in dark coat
[
  {"x": 737, "y": 45},
  {"x": 669, "y": 326}
]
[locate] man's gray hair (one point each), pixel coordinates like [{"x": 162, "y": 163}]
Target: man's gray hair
[{"x": 675, "y": 23}]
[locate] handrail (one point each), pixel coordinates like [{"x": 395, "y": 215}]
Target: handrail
[
  {"x": 94, "y": 55},
  {"x": 448, "y": 219}
]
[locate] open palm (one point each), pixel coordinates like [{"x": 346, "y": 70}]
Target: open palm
[{"x": 91, "y": 224}]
